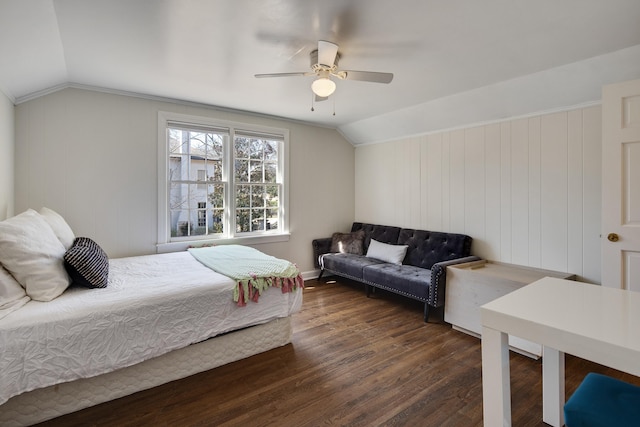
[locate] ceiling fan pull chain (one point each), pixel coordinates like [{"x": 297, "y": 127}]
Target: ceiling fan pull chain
[
  {"x": 312, "y": 98},
  {"x": 334, "y": 106}
]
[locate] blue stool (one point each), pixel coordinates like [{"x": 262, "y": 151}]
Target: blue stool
[{"x": 602, "y": 401}]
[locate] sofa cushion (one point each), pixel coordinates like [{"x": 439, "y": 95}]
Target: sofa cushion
[
  {"x": 381, "y": 233},
  {"x": 348, "y": 243},
  {"x": 348, "y": 264},
  {"x": 404, "y": 279},
  {"x": 428, "y": 247}
]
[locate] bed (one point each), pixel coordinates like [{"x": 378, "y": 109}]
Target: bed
[{"x": 160, "y": 318}]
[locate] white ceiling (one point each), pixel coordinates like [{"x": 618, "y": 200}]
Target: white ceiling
[{"x": 530, "y": 55}]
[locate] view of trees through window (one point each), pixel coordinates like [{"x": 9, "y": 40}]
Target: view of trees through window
[
  {"x": 257, "y": 190},
  {"x": 204, "y": 199}
]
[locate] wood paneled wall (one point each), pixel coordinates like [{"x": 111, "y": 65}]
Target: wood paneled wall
[{"x": 527, "y": 190}]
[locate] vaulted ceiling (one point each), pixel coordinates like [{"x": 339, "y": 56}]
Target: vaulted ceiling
[{"x": 454, "y": 62}]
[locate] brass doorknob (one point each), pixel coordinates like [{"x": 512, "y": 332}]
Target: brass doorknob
[{"x": 613, "y": 237}]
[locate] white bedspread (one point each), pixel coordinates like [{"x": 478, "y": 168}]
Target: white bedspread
[{"x": 152, "y": 305}]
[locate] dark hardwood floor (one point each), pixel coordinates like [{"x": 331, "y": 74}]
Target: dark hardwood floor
[{"x": 353, "y": 361}]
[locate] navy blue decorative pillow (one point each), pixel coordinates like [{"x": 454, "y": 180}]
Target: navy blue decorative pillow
[{"x": 87, "y": 264}]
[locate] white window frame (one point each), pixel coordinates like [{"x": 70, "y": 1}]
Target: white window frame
[{"x": 165, "y": 242}]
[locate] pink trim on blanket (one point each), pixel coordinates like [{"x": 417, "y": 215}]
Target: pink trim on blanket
[{"x": 287, "y": 284}]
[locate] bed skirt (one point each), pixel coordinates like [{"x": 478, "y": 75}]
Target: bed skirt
[{"x": 51, "y": 402}]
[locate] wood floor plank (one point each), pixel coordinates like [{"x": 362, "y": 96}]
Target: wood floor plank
[{"x": 353, "y": 361}]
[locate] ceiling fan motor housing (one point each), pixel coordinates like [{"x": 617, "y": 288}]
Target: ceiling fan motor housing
[{"x": 315, "y": 66}]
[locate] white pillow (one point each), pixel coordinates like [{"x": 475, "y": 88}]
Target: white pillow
[
  {"x": 32, "y": 253},
  {"x": 59, "y": 227},
  {"x": 12, "y": 295},
  {"x": 384, "y": 252}
]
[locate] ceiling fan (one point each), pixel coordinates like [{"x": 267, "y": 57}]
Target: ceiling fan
[{"x": 324, "y": 65}]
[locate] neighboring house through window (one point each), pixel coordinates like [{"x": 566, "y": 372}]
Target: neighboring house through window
[{"x": 220, "y": 180}]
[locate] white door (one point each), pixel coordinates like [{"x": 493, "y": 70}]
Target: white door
[{"x": 621, "y": 185}]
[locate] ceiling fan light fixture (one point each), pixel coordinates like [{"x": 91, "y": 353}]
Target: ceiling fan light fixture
[{"x": 323, "y": 87}]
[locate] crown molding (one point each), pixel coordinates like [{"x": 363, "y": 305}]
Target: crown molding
[{"x": 70, "y": 85}]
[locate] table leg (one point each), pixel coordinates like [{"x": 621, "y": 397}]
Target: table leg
[
  {"x": 496, "y": 387},
  {"x": 552, "y": 386}
]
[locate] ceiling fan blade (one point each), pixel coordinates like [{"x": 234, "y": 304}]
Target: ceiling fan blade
[
  {"x": 301, "y": 74},
  {"x": 327, "y": 52},
  {"x": 366, "y": 76}
]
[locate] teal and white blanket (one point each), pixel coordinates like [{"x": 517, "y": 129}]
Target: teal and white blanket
[{"x": 252, "y": 270}]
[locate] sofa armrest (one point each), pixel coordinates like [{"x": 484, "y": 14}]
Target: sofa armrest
[
  {"x": 439, "y": 279},
  {"x": 320, "y": 247}
]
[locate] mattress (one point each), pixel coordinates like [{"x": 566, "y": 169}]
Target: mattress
[
  {"x": 153, "y": 304},
  {"x": 53, "y": 401}
]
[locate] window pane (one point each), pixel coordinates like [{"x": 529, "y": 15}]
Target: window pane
[
  {"x": 257, "y": 196},
  {"x": 214, "y": 170},
  {"x": 256, "y": 149},
  {"x": 179, "y": 223},
  {"x": 241, "y": 148},
  {"x": 271, "y": 150},
  {"x": 241, "y": 170},
  {"x": 270, "y": 172},
  {"x": 198, "y": 231},
  {"x": 178, "y": 196},
  {"x": 257, "y": 220},
  {"x": 216, "y": 225},
  {"x": 179, "y": 168},
  {"x": 197, "y": 164},
  {"x": 198, "y": 144},
  {"x": 272, "y": 219},
  {"x": 178, "y": 142},
  {"x": 215, "y": 146},
  {"x": 242, "y": 196},
  {"x": 242, "y": 220},
  {"x": 216, "y": 195},
  {"x": 197, "y": 194},
  {"x": 272, "y": 195},
  {"x": 255, "y": 171},
  {"x": 201, "y": 175}
]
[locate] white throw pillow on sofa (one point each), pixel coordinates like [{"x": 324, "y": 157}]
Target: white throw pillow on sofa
[
  {"x": 59, "y": 226},
  {"x": 12, "y": 295},
  {"x": 393, "y": 254},
  {"x": 32, "y": 253}
]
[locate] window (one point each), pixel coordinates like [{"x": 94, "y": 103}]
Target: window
[
  {"x": 195, "y": 180},
  {"x": 255, "y": 170},
  {"x": 220, "y": 180}
]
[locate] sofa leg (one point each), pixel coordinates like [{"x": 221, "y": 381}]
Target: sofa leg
[
  {"x": 426, "y": 312},
  {"x": 370, "y": 290}
]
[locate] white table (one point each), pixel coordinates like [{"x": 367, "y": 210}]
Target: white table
[{"x": 589, "y": 321}]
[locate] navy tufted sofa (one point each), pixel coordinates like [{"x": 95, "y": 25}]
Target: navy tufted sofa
[{"x": 422, "y": 275}]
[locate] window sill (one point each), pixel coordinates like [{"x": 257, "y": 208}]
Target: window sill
[{"x": 249, "y": 240}]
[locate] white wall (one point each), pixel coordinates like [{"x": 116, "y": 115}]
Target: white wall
[
  {"x": 527, "y": 190},
  {"x": 92, "y": 157},
  {"x": 7, "y": 139}
]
